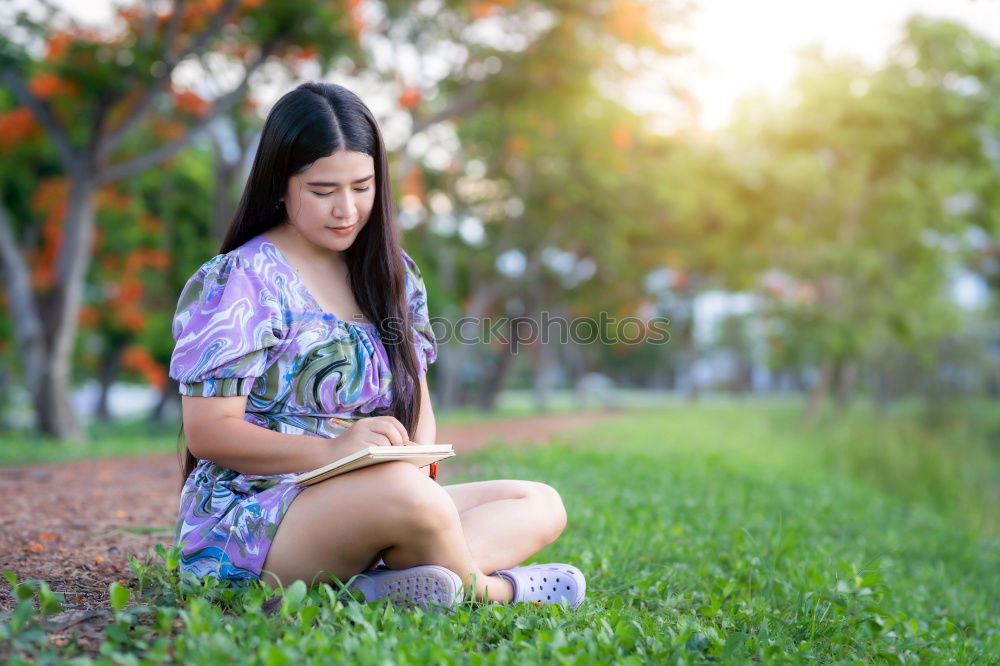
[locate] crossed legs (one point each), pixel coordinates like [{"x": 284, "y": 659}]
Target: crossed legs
[
  {"x": 340, "y": 526},
  {"x": 506, "y": 522}
]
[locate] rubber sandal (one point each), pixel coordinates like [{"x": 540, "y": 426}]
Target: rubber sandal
[
  {"x": 420, "y": 586},
  {"x": 546, "y": 583}
]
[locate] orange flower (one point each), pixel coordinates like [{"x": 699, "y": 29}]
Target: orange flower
[
  {"x": 409, "y": 98},
  {"x": 58, "y": 44},
  {"x": 517, "y": 144},
  {"x": 159, "y": 259},
  {"x": 169, "y": 130},
  {"x": 47, "y": 84},
  {"x": 189, "y": 102},
  {"x": 479, "y": 10},
  {"x": 36, "y": 547},
  {"x": 131, "y": 290},
  {"x": 15, "y": 126},
  {"x": 133, "y": 320},
  {"x": 157, "y": 377},
  {"x": 307, "y": 53},
  {"x": 47, "y": 535},
  {"x": 413, "y": 183},
  {"x": 621, "y": 137},
  {"x": 150, "y": 223}
]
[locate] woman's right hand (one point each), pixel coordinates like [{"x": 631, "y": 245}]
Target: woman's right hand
[{"x": 375, "y": 431}]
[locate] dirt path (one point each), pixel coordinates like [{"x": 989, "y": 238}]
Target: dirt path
[{"x": 72, "y": 524}]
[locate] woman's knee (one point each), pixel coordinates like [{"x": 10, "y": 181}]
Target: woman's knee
[
  {"x": 550, "y": 505},
  {"x": 416, "y": 501}
]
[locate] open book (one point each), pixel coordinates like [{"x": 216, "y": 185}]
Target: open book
[{"x": 420, "y": 455}]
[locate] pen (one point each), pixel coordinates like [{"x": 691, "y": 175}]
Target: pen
[{"x": 347, "y": 424}]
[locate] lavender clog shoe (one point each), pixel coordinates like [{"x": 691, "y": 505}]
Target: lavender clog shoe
[
  {"x": 546, "y": 583},
  {"x": 421, "y": 586}
]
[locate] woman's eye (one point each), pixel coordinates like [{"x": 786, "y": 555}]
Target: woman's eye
[{"x": 357, "y": 189}]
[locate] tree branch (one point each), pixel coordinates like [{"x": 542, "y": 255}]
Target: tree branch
[
  {"x": 23, "y": 311},
  {"x": 154, "y": 157},
  {"x": 210, "y": 32},
  {"x": 465, "y": 103},
  {"x": 171, "y": 60},
  {"x": 171, "y": 32},
  {"x": 148, "y": 23},
  {"x": 42, "y": 112}
]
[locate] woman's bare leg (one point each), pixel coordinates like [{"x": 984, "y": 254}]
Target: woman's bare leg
[
  {"x": 340, "y": 525},
  {"x": 506, "y": 522}
]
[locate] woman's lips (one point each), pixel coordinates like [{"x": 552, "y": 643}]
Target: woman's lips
[{"x": 343, "y": 230}]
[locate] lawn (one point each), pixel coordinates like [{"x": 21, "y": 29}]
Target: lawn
[
  {"x": 134, "y": 438},
  {"x": 716, "y": 533}
]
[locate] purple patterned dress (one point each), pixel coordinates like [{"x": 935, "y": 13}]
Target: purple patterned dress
[{"x": 246, "y": 325}]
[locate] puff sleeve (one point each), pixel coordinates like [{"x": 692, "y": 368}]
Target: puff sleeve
[
  {"x": 416, "y": 297},
  {"x": 227, "y": 317}
]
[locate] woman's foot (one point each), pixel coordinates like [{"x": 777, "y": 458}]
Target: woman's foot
[
  {"x": 546, "y": 583},
  {"x": 420, "y": 586}
]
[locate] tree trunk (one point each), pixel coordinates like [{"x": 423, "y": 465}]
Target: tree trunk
[
  {"x": 490, "y": 393},
  {"x": 110, "y": 368},
  {"x": 881, "y": 390},
  {"x": 450, "y": 356},
  {"x": 498, "y": 375},
  {"x": 52, "y": 403},
  {"x": 575, "y": 361},
  {"x": 450, "y": 380},
  {"x": 5, "y": 387},
  {"x": 818, "y": 394},
  {"x": 449, "y": 384},
  {"x": 168, "y": 395},
  {"x": 689, "y": 356},
  {"x": 60, "y": 310},
  {"x": 226, "y": 173},
  {"x": 847, "y": 381},
  {"x": 542, "y": 389},
  {"x": 24, "y": 313}
]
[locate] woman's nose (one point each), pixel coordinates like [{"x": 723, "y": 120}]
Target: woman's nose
[{"x": 343, "y": 204}]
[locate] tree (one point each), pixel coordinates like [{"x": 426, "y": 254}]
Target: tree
[
  {"x": 860, "y": 171},
  {"x": 96, "y": 97},
  {"x": 551, "y": 179}
]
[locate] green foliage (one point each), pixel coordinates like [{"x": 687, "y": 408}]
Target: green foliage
[
  {"x": 861, "y": 167},
  {"x": 709, "y": 534},
  {"x": 23, "y": 630}
]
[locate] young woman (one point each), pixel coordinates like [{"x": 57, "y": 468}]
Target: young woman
[{"x": 313, "y": 312}]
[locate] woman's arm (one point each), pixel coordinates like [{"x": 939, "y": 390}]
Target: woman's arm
[
  {"x": 215, "y": 430},
  {"x": 426, "y": 432}
]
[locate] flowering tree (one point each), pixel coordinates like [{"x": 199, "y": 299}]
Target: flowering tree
[{"x": 107, "y": 104}]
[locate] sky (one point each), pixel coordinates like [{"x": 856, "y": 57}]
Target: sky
[
  {"x": 742, "y": 46},
  {"x": 746, "y": 45}
]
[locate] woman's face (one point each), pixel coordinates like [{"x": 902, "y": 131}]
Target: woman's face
[{"x": 329, "y": 203}]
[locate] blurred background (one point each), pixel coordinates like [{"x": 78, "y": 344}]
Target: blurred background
[{"x": 808, "y": 192}]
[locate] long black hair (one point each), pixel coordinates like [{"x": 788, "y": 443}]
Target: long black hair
[{"x": 313, "y": 121}]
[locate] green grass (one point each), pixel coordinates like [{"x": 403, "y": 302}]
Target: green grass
[
  {"x": 135, "y": 438},
  {"x": 120, "y": 439},
  {"x": 709, "y": 534}
]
